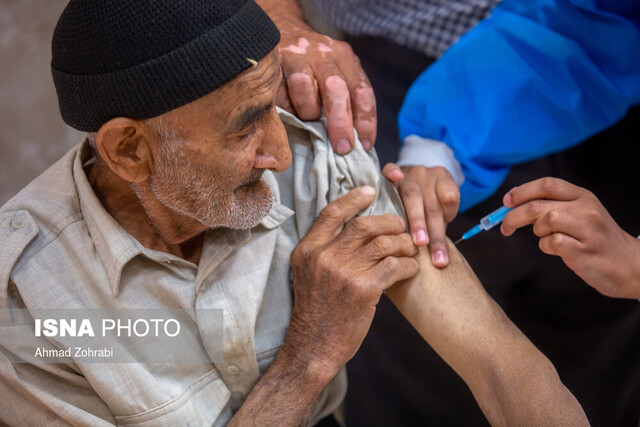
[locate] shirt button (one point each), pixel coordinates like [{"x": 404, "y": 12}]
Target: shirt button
[
  {"x": 18, "y": 223},
  {"x": 233, "y": 370}
]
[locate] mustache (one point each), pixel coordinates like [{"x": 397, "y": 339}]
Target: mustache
[{"x": 253, "y": 177}]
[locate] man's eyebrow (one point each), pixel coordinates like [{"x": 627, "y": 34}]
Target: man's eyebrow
[
  {"x": 251, "y": 115},
  {"x": 256, "y": 113}
]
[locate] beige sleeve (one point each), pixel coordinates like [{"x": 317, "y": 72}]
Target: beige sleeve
[{"x": 318, "y": 176}]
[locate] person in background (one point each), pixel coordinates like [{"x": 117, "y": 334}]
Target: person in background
[{"x": 534, "y": 79}]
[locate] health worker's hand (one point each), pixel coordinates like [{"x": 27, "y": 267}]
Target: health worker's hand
[
  {"x": 572, "y": 224},
  {"x": 340, "y": 269},
  {"x": 323, "y": 72},
  {"x": 431, "y": 199}
]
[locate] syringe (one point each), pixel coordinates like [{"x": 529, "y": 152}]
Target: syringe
[{"x": 486, "y": 223}]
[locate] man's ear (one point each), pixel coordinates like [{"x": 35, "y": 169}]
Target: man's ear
[{"x": 123, "y": 144}]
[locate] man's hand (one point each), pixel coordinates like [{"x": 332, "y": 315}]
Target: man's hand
[
  {"x": 340, "y": 270},
  {"x": 572, "y": 224},
  {"x": 431, "y": 199},
  {"x": 320, "y": 72}
]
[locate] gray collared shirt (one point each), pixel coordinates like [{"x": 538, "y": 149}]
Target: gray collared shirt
[{"x": 59, "y": 248}]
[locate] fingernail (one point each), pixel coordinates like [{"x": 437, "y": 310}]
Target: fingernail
[
  {"x": 398, "y": 174},
  {"x": 421, "y": 238},
  {"x": 507, "y": 200},
  {"x": 343, "y": 146},
  {"x": 368, "y": 190},
  {"x": 366, "y": 144},
  {"x": 440, "y": 258}
]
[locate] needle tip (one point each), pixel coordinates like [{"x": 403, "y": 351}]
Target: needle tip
[{"x": 458, "y": 241}]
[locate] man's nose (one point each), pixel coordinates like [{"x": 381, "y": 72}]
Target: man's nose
[{"x": 274, "y": 152}]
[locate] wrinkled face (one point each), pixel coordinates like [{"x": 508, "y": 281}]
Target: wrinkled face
[{"x": 211, "y": 168}]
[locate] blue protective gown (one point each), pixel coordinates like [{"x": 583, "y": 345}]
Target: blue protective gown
[{"x": 536, "y": 77}]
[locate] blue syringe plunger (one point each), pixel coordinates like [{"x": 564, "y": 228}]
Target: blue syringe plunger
[
  {"x": 486, "y": 223},
  {"x": 494, "y": 218}
]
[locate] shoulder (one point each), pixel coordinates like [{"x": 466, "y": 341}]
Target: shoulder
[{"x": 36, "y": 216}]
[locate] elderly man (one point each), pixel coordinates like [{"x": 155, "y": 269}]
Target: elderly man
[
  {"x": 172, "y": 202},
  {"x": 178, "y": 99}
]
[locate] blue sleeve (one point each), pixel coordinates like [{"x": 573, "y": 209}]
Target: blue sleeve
[{"x": 536, "y": 77}]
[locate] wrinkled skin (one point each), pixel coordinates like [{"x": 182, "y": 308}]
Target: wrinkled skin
[{"x": 323, "y": 72}]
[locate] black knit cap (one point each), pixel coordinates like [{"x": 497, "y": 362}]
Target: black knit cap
[{"x": 142, "y": 58}]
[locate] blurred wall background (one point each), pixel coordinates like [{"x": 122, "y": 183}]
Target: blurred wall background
[{"x": 32, "y": 134}]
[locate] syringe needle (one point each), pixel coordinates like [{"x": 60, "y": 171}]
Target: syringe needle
[{"x": 458, "y": 241}]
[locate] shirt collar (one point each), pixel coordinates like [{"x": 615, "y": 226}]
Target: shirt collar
[
  {"x": 114, "y": 245},
  {"x": 279, "y": 213}
]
